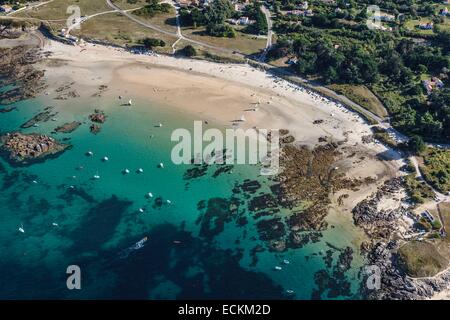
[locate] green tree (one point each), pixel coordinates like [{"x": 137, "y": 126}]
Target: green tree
[
  {"x": 189, "y": 51},
  {"x": 150, "y": 43},
  {"x": 416, "y": 144}
]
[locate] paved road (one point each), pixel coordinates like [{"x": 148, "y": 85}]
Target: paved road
[{"x": 269, "y": 31}]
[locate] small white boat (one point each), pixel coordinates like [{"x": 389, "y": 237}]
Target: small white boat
[
  {"x": 21, "y": 229},
  {"x": 140, "y": 170},
  {"x": 290, "y": 291},
  {"x": 89, "y": 153},
  {"x": 285, "y": 261},
  {"x": 130, "y": 102},
  {"x": 141, "y": 210},
  {"x": 126, "y": 171},
  {"x": 105, "y": 158},
  {"x": 278, "y": 268},
  {"x": 35, "y": 125},
  {"x": 96, "y": 176},
  {"x": 55, "y": 224},
  {"x": 168, "y": 201},
  {"x": 150, "y": 195},
  {"x": 34, "y": 181},
  {"x": 159, "y": 125},
  {"x": 161, "y": 165},
  {"x": 71, "y": 187}
]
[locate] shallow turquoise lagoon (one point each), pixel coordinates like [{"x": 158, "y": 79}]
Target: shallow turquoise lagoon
[{"x": 195, "y": 248}]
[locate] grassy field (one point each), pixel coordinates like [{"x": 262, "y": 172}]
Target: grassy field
[
  {"x": 165, "y": 21},
  {"x": 211, "y": 54},
  {"x": 246, "y": 44},
  {"x": 445, "y": 213},
  {"x": 115, "y": 28},
  {"x": 413, "y": 25},
  {"x": 57, "y": 9},
  {"x": 362, "y": 96},
  {"x": 421, "y": 259},
  {"x": 125, "y": 4},
  {"x": 435, "y": 168}
]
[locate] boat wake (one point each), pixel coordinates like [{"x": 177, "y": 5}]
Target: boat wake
[{"x": 138, "y": 245}]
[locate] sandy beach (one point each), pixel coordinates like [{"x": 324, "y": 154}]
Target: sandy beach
[{"x": 219, "y": 93}]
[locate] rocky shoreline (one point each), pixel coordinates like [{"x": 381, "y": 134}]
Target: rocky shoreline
[
  {"x": 386, "y": 231},
  {"x": 24, "y": 149},
  {"x": 17, "y": 69}
]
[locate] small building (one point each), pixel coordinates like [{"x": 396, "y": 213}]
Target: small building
[
  {"x": 239, "y": 6},
  {"x": 432, "y": 84},
  {"x": 6, "y": 8}
]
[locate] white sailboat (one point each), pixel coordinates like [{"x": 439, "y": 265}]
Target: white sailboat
[
  {"x": 161, "y": 165},
  {"x": 140, "y": 170},
  {"x": 21, "y": 229},
  {"x": 105, "y": 158},
  {"x": 126, "y": 171},
  {"x": 278, "y": 268},
  {"x": 96, "y": 176},
  {"x": 150, "y": 195},
  {"x": 130, "y": 102}
]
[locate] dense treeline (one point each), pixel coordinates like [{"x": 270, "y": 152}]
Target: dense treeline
[
  {"x": 337, "y": 46},
  {"x": 212, "y": 17},
  {"x": 153, "y": 8}
]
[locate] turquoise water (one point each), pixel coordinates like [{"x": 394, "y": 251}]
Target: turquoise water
[{"x": 201, "y": 245}]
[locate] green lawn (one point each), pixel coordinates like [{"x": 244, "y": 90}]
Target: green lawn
[
  {"x": 421, "y": 259},
  {"x": 436, "y": 168},
  {"x": 58, "y": 9},
  {"x": 244, "y": 43},
  {"x": 118, "y": 29},
  {"x": 361, "y": 95}
]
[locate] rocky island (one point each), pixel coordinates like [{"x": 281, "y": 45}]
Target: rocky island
[{"x": 24, "y": 149}]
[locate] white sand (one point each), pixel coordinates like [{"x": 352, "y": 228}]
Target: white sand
[{"x": 217, "y": 92}]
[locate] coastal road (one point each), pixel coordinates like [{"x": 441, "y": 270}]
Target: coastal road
[{"x": 269, "y": 32}]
